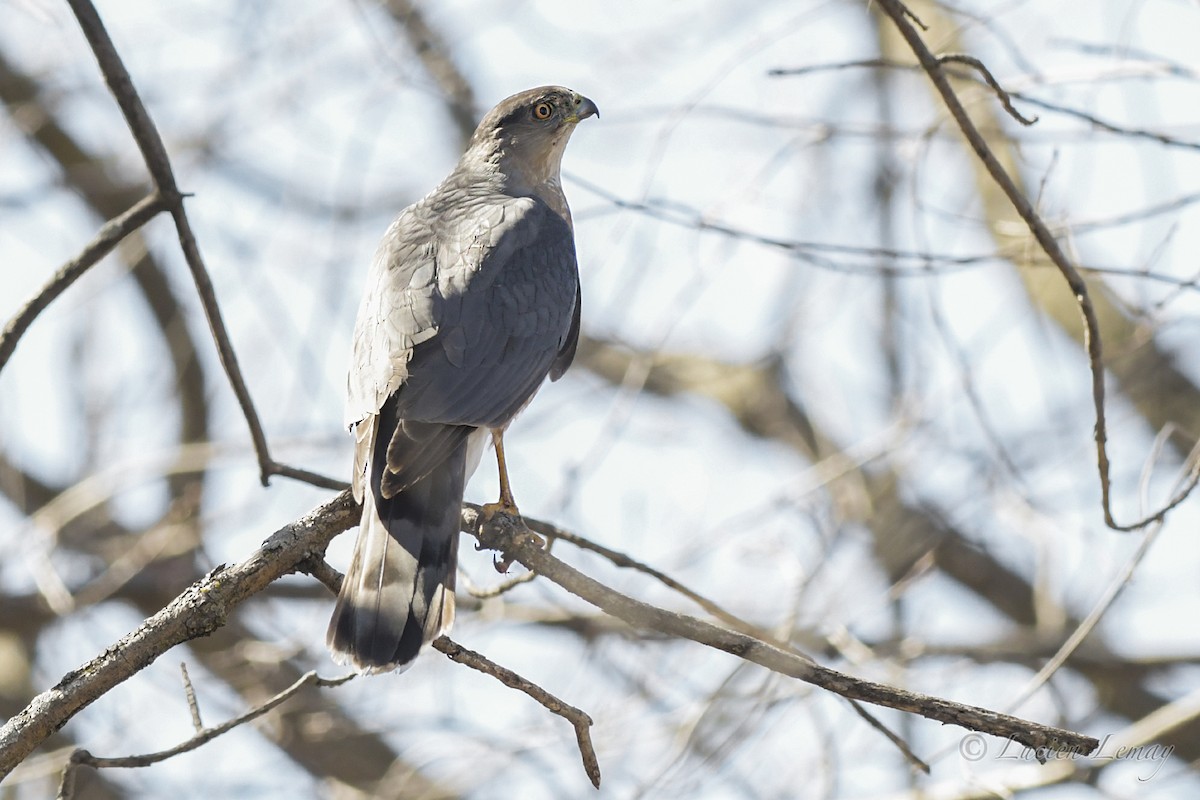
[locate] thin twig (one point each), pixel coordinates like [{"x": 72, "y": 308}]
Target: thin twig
[
  {"x": 154, "y": 153},
  {"x": 84, "y": 758},
  {"x": 884, "y": 63},
  {"x": 899, "y": 743},
  {"x": 912, "y": 15},
  {"x": 681, "y": 215},
  {"x": 110, "y": 235},
  {"x": 199, "y": 610},
  {"x": 320, "y": 569},
  {"x": 1114, "y": 590},
  {"x": 1005, "y": 95},
  {"x": 500, "y": 534},
  {"x": 487, "y": 592},
  {"x": 620, "y": 559},
  {"x": 1105, "y": 125},
  {"x": 1001, "y": 94},
  {"x": 315, "y": 478},
  {"x": 578, "y": 719},
  {"x": 190, "y": 693},
  {"x": 933, "y": 67}
]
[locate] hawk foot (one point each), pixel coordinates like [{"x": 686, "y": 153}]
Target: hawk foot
[
  {"x": 523, "y": 537},
  {"x": 501, "y": 506}
]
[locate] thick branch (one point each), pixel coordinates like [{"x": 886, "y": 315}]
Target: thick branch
[
  {"x": 1042, "y": 738},
  {"x": 903, "y": 532},
  {"x": 201, "y": 609}
]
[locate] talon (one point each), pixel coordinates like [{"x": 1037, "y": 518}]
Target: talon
[{"x": 525, "y": 537}]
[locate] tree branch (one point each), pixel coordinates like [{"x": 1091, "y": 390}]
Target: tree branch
[
  {"x": 933, "y": 67},
  {"x": 146, "y": 135},
  {"x": 578, "y": 719},
  {"x": 113, "y": 232},
  {"x": 198, "y": 611},
  {"x": 204, "y": 606},
  {"x": 504, "y": 536},
  {"x": 203, "y": 736}
]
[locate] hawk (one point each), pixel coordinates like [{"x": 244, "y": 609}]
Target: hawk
[{"x": 471, "y": 302}]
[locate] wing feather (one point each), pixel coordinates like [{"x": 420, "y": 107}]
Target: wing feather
[
  {"x": 464, "y": 318},
  {"x": 470, "y": 305}
]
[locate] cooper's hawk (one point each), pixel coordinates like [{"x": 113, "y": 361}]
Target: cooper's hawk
[{"x": 472, "y": 300}]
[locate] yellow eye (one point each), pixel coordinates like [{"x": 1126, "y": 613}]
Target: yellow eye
[{"x": 542, "y": 111}]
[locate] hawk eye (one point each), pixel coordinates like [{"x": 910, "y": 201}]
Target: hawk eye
[{"x": 542, "y": 111}]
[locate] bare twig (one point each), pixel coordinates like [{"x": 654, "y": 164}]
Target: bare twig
[
  {"x": 578, "y": 719},
  {"x": 146, "y": 135},
  {"x": 315, "y": 478},
  {"x": 885, "y": 63},
  {"x": 201, "y": 609},
  {"x": 203, "y": 736},
  {"x": 897, "y": 742},
  {"x": 109, "y": 237},
  {"x": 190, "y": 693},
  {"x": 620, "y": 559},
  {"x": 1001, "y": 94},
  {"x": 205, "y": 605},
  {"x": 933, "y": 67},
  {"x": 320, "y": 569},
  {"x": 681, "y": 215},
  {"x": 1114, "y": 590},
  {"x": 1005, "y": 96},
  {"x": 109, "y": 198},
  {"x": 500, "y": 534},
  {"x": 905, "y": 263},
  {"x": 1105, "y": 125},
  {"x": 912, "y": 15}
]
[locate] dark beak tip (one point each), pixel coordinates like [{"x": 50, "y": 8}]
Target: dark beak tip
[{"x": 587, "y": 109}]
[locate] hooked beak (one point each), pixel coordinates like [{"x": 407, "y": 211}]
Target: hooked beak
[{"x": 584, "y": 108}]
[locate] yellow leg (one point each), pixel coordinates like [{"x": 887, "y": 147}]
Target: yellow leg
[{"x": 506, "y": 503}]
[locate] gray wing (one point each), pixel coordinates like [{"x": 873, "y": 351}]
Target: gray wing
[
  {"x": 507, "y": 299},
  {"x": 396, "y": 314},
  {"x": 470, "y": 302},
  {"x": 566, "y": 353}
]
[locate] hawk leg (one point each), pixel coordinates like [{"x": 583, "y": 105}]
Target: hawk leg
[{"x": 505, "y": 504}]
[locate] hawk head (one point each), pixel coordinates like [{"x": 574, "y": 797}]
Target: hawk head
[{"x": 523, "y": 137}]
